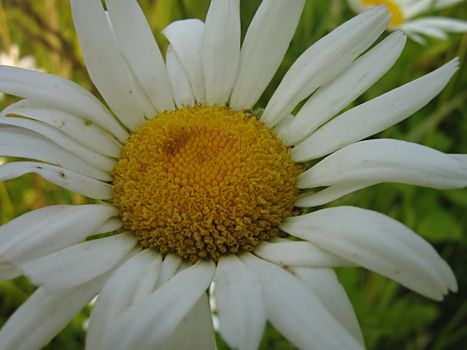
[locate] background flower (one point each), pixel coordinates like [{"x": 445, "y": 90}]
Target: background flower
[{"x": 412, "y": 17}]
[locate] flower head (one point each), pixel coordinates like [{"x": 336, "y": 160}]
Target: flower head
[
  {"x": 410, "y": 17},
  {"x": 196, "y": 186}
]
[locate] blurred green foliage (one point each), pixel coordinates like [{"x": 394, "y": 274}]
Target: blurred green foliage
[{"x": 391, "y": 317}]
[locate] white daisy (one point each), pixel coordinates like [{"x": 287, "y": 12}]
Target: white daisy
[
  {"x": 410, "y": 17},
  {"x": 11, "y": 57},
  {"x": 196, "y": 189}
]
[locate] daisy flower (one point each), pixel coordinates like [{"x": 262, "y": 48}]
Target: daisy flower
[
  {"x": 195, "y": 187},
  {"x": 11, "y": 57},
  {"x": 406, "y": 13}
]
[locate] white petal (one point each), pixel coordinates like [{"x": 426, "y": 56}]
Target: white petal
[
  {"x": 113, "y": 224},
  {"x": 297, "y": 312},
  {"x": 82, "y": 130},
  {"x": 378, "y": 243},
  {"x": 89, "y": 156},
  {"x": 414, "y": 36},
  {"x": 58, "y": 93},
  {"x": 324, "y": 61},
  {"x": 141, "y": 50},
  {"x": 147, "y": 283},
  {"x": 263, "y": 49},
  {"x": 118, "y": 294},
  {"x": 8, "y": 271},
  {"x": 105, "y": 65},
  {"x": 283, "y": 125},
  {"x": 386, "y": 160},
  {"x": 298, "y": 254},
  {"x": 375, "y": 115},
  {"x": 445, "y": 3},
  {"x": 195, "y": 331},
  {"x": 47, "y": 230},
  {"x": 421, "y": 29},
  {"x": 333, "y": 97},
  {"x": 443, "y": 23},
  {"x": 80, "y": 263},
  {"x": 186, "y": 38},
  {"x": 44, "y": 315},
  {"x": 242, "y": 313},
  {"x": 221, "y": 49},
  {"x": 313, "y": 199},
  {"x": 68, "y": 179},
  {"x": 461, "y": 158},
  {"x": 18, "y": 142},
  {"x": 435, "y": 27},
  {"x": 166, "y": 308},
  {"x": 324, "y": 283},
  {"x": 357, "y": 5},
  {"x": 179, "y": 81},
  {"x": 169, "y": 267},
  {"x": 420, "y": 6}
]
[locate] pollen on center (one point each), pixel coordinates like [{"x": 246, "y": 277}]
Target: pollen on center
[{"x": 201, "y": 182}]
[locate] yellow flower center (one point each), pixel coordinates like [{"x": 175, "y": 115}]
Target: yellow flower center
[
  {"x": 393, "y": 8},
  {"x": 201, "y": 182}
]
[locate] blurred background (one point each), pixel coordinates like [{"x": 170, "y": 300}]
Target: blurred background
[{"x": 39, "y": 34}]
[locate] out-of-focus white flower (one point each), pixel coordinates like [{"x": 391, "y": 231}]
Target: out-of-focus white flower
[
  {"x": 12, "y": 58},
  {"x": 405, "y": 13}
]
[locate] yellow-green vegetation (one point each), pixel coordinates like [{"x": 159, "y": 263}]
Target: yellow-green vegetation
[{"x": 391, "y": 317}]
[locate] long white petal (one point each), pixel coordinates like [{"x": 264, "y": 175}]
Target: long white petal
[
  {"x": 141, "y": 50},
  {"x": 283, "y": 125},
  {"x": 324, "y": 61},
  {"x": 166, "y": 308},
  {"x": 195, "y": 331},
  {"x": 18, "y": 142},
  {"x": 263, "y": 49},
  {"x": 414, "y": 36},
  {"x": 386, "y": 160},
  {"x": 329, "y": 194},
  {"x": 442, "y": 23},
  {"x": 44, "y": 315},
  {"x": 111, "y": 225},
  {"x": 47, "y": 230},
  {"x": 435, "y": 27},
  {"x": 68, "y": 179},
  {"x": 169, "y": 267},
  {"x": 89, "y": 156},
  {"x": 242, "y": 313},
  {"x": 105, "y": 64},
  {"x": 298, "y": 314},
  {"x": 378, "y": 243},
  {"x": 81, "y": 130},
  {"x": 324, "y": 283},
  {"x": 221, "y": 49},
  {"x": 375, "y": 115},
  {"x": 420, "y": 6},
  {"x": 179, "y": 81},
  {"x": 333, "y": 97},
  {"x": 59, "y": 93},
  {"x": 298, "y": 254},
  {"x": 80, "y": 263},
  {"x": 118, "y": 293},
  {"x": 186, "y": 38},
  {"x": 445, "y": 3}
]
